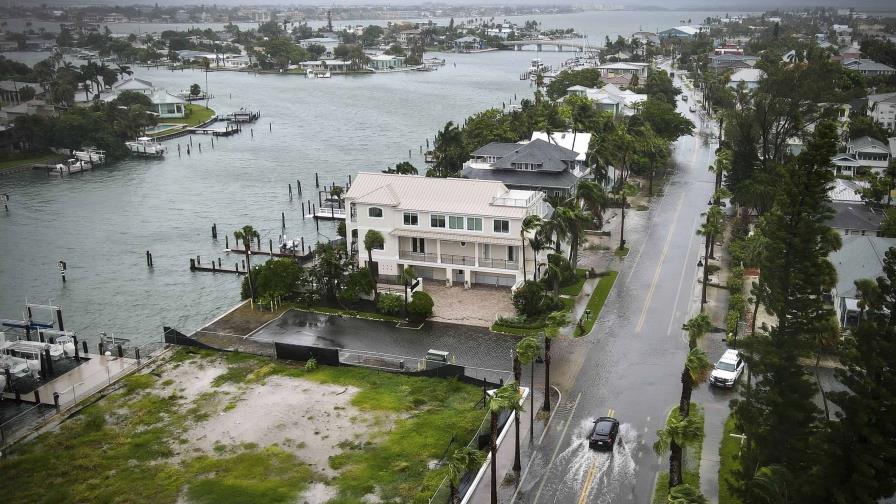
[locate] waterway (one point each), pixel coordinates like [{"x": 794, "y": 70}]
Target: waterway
[{"x": 103, "y": 221}]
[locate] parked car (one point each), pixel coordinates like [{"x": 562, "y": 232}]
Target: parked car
[
  {"x": 684, "y": 97},
  {"x": 604, "y": 433},
  {"x": 727, "y": 370},
  {"x": 693, "y": 108}
]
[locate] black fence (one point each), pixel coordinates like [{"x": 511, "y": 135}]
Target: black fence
[{"x": 328, "y": 356}]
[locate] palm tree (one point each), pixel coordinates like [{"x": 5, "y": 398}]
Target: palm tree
[
  {"x": 527, "y": 350},
  {"x": 696, "y": 370},
  {"x": 678, "y": 432},
  {"x": 574, "y": 221},
  {"x": 537, "y": 243},
  {"x": 592, "y": 198},
  {"x": 502, "y": 399},
  {"x": 246, "y": 235},
  {"x": 462, "y": 461},
  {"x": 696, "y": 327},
  {"x": 686, "y": 494},
  {"x": 555, "y": 270},
  {"x": 530, "y": 223},
  {"x": 554, "y": 322},
  {"x": 617, "y": 149},
  {"x": 713, "y": 226},
  {"x": 373, "y": 239},
  {"x": 406, "y": 276}
]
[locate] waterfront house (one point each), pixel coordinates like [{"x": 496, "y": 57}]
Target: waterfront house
[
  {"x": 867, "y": 67},
  {"x": 750, "y": 78},
  {"x": 132, "y": 84},
  {"x": 622, "y": 68},
  {"x": 882, "y": 108},
  {"x": 610, "y": 98},
  {"x": 646, "y": 37},
  {"x": 468, "y": 43},
  {"x": 859, "y": 258},
  {"x": 735, "y": 61},
  {"x": 328, "y": 43},
  {"x": 333, "y": 65},
  {"x": 862, "y": 154},
  {"x": 451, "y": 230},
  {"x": 385, "y": 62},
  {"x": 10, "y": 90},
  {"x": 537, "y": 165},
  {"x": 167, "y": 105}
]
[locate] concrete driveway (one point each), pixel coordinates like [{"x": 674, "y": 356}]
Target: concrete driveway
[{"x": 477, "y": 306}]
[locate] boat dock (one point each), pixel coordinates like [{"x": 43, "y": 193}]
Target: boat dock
[
  {"x": 329, "y": 213},
  {"x": 226, "y": 131}
]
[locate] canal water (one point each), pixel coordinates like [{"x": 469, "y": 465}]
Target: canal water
[{"x": 103, "y": 221}]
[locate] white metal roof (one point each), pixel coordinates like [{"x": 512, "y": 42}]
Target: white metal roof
[{"x": 441, "y": 195}]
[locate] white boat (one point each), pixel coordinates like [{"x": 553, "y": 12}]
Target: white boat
[
  {"x": 90, "y": 155},
  {"x": 146, "y": 146},
  {"x": 310, "y": 74},
  {"x": 67, "y": 344},
  {"x": 323, "y": 75},
  {"x": 17, "y": 366},
  {"x": 71, "y": 166}
]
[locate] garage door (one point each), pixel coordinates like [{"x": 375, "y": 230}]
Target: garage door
[{"x": 495, "y": 280}]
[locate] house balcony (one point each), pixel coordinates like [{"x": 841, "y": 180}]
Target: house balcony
[{"x": 458, "y": 260}]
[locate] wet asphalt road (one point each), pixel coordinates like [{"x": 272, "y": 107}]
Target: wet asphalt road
[{"x": 636, "y": 350}]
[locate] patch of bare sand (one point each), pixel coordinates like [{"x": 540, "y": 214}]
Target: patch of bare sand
[
  {"x": 193, "y": 378},
  {"x": 307, "y": 418}
]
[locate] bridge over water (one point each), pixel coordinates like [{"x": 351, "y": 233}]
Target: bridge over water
[{"x": 565, "y": 45}]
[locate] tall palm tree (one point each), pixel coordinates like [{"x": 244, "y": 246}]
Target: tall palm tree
[
  {"x": 554, "y": 272},
  {"x": 530, "y": 223},
  {"x": 537, "y": 243},
  {"x": 373, "y": 239},
  {"x": 527, "y": 351},
  {"x": 696, "y": 327},
  {"x": 554, "y": 322},
  {"x": 678, "y": 432},
  {"x": 696, "y": 370},
  {"x": 462, "y": 460},
  {"x": 502, "y": 399},
  {"x": 246, "y": 235}
]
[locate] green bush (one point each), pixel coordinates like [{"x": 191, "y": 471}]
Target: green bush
[
  {"x": 278, "y": 277},
  {"x": 357, "y": 283},
  {"x": 420, "y": 307},
  {"x": 390, "y": 304},
  {"x": 529, "y": 299},
  {"x": 311, "y": 364}
]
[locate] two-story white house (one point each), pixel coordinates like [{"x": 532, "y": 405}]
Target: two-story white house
[
  {"x": 862, "y": 154},
  {"x": 882, "y": 108},
  {"x": 458, "y": 231}
]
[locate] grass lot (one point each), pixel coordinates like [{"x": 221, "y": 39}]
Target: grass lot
[
  {"x": 690, "y": 462},
  {"x": 575, "y": 288},
  {"x": 729, "y": 452},
  {"x": 196, "y": 114},
  {"x": 121, "y": 449},
  {"x": 620, "y": 252},
  {"x": 25, "y": 160},
  {"x": 598, "y": 298}
]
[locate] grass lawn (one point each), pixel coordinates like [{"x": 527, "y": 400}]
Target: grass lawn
[
  {"x": 121, "y": 449},
  {"x": 690, "y": 462},
  {"x": 598, "y": 298},
  {"x": 729, "y": 452},
  {"x": 621, "y": 252},
  {"x": 196, "y": 114},
  {"x": 533, "y": 327},
  {"x": 575, "y": 288},
  {"x": 25, "y": 160}
]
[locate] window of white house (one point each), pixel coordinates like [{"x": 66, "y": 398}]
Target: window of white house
[
  {"x": 501, "y": 226},
  {"x": 455, "y": 222},
  {"x": 375, "y": 212},
  {"x": 474, "y": 224},
  {"x": 437, "y": 221},
  {"x": 410, "y": 219}
]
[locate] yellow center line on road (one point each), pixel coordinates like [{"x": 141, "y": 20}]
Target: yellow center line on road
[
  {"x": 659, "y": 265},
  {"x": 592, "y": 472}
]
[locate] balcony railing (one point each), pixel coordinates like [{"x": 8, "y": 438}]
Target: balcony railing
[
  {"x": 485, "y": 262},
  {"x": 458, "y": 260}
]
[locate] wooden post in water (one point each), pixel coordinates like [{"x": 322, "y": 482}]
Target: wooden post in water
[
  {"x": 303, "y": 245},
  {"x": 283, "y": 220},
  {"x": 192, "y": 264},
  {"x": 271, "y": 246},
  {"x": 303, "y": 212},
  {"x": 270, "y": 127},
  {"x": 214, "y": 231},
  {"x": 219, "y": 262},
  {"x": 227, "y": 242},
  {"x": 316, "y": 181},
  {"x": 290, "y": 191},
  {"x": 299, "y": 186}
]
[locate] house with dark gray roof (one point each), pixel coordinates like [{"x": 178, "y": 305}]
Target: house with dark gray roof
[
  {"x": 533, "y": 165},
  {"x": 862, "y": 154},
  {"x": 859, "y": 258},
  {"x": 867, "y": 66},
  {"x": 855, "y": 219}
]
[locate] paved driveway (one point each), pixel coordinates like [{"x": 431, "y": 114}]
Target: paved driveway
[
  {"x": 472, "y": 346},
  {"x": 477, "y": 306}
]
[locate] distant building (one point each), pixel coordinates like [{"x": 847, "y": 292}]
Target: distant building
[
  {"x": 384, "y": 62},
  {"x": 734, "y": 61},
  {"x": 680, "y": 32},
  {"x": 750, "y": 78},
  {"x": 537, "y": 165},
  {"x": 855, "y": 219},
  {"x": 622, "y": 68},
  {"x": 867, "y": 67},
  {"x": 468, "y": 43},
  {"x": 882, "y": 108},
  {"x": 610, "y": 98},
  {"x": 646, "y": 37},
  {"x": 167, "y": 105},
  {"x": 862, "y": 154},
  {"x": 10, "y": 90}
]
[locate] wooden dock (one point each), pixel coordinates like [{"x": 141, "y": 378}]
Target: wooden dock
[{"x": 329, "y": 213}]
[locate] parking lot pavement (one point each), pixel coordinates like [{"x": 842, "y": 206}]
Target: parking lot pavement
[{"x": 478, "y": 306}]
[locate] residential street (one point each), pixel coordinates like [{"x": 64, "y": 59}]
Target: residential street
[{"x": 629, "y": 365}]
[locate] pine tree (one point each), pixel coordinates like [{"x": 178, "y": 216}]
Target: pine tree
[{"x": 778, "y": 414}]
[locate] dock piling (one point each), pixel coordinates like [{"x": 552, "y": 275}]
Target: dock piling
[
  {"x": 283, "y": 220},
  {"x": 303, "y": 212},
  {"x": 271, "y": 246},
  {"x": 299, "y": 186},
  {"x": 316, "y": 181},
  {"x": 290, "y": 191},
  {"x": 56, "y": 400},
  {"x": 219, "y": 262},
  {"x": 192, "y": 264},
  {"x": 244, "y": 264},
  {"x": 270, "y": 127},
  {"x": 227, "y": 242},
  {"x": 252, "y": 132},
  {"x": 84, "y": 345}
]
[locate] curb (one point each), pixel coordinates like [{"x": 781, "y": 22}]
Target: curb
[{"x": 529, "y": 464}]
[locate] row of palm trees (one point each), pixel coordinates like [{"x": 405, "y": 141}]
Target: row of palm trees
[{"x": 54, "y": 72}]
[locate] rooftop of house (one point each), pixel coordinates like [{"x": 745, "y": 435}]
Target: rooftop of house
[
  {"x": 161, "y": 97},
  {"x": 540, "y": 179},
  {"x": 14, "y": 86},
  {"x": 881, "y": 97},
  {"x": 846, "y": 191},
  {"x": 690, "y": 30},
  {"x": 867, "y": 143},
  {"x": 864, "y": 64},
  {"x": 858, "y": 258},
  {"x": 575, "y": 141},
  {"x": 855, "y": 215},
  {"x": 448, "y": 195},
  {"x": 550, "y": 156},
  {"x": 747, "y": 75}
]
